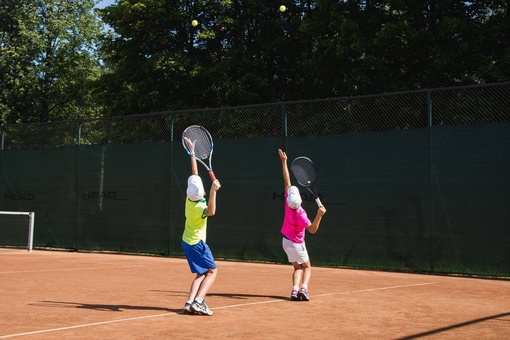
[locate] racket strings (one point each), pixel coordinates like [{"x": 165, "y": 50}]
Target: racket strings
[
  {"x": 304, "y": 172},
  {"x": 203, "y": 144}
]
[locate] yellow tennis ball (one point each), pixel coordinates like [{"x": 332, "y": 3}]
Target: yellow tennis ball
[
  {"x": 194, "y": 22},
  {"x": 282, "y": 8}
]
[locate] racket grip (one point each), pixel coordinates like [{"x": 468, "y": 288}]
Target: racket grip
[
  {"x": 318, "y": 201},
  {"x": 211, "y": 173}
]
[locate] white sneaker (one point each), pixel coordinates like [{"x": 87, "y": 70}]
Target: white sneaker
[
  {"x": 201, "y": 308},
  {"x": 303, "y": 295},
  {"x": 187, "y": 309}
]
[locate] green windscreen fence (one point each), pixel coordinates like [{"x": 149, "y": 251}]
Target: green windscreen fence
[{"x": 423, "y": 200}]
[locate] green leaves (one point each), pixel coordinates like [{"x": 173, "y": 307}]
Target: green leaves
[
  {"x": 55, "y": 66},
  {"x": 48, "y": 60}
]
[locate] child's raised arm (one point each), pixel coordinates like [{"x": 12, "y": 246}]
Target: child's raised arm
[
  {"x": 191, "y": 145},
  {"x": 285, "y": 169},
  {"x": 312, "y": 228},
  {"x": 211, "y": 205}
]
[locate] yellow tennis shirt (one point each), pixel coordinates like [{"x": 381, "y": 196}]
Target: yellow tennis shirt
[{"x": 195, "y": 228}]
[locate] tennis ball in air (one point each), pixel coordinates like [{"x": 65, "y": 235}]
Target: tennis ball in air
[
  {"x": 194, "y": 22},
  {"x": 283, "y": 8}
]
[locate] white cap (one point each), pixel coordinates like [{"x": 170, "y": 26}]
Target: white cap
[
  {"x": 293, "y": 197},
  {"x": 195, "y": 190}
]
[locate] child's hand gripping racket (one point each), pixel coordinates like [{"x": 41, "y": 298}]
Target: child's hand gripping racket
[
  {"x": 305, "y": 173},
  {"x": 198, "y": 143}
]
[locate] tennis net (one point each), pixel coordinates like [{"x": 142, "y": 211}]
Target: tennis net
[{"x": 17, "y": 229}]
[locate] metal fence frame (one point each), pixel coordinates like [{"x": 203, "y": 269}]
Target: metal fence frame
[
  {"x": 460, "y": 105},
  {"x": 411, "y": 117}
]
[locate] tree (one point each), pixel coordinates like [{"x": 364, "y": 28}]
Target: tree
[
  {"x": 47, "y": 59},
  {"x": 247, "y": 52}
]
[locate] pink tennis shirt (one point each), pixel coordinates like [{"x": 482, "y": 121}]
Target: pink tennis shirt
[{"x": 295, "y": 222}]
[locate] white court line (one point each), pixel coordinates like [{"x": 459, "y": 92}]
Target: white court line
[
  {"x": 381, "y": 288},
  {"x": 84, "y": 325},
  {"x": 224, "y": 307},
  {"x": 68, "y": 269}
]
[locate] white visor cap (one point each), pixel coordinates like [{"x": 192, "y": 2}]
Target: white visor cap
[
  {"x": 195, "y": 190},
  {"x": 293, "y": 197}
]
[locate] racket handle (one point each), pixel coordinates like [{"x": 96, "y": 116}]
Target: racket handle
[
  {"x": 318, "y": 201},
  {"x": 211, "y": 173}
]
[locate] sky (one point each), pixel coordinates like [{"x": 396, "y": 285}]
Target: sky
[{"x": 104, "y": 3}]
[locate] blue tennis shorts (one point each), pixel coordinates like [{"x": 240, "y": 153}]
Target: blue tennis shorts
[{"x": 199, "y": 256}]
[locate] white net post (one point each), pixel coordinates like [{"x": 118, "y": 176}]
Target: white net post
[{"x": 31, "y": 216}]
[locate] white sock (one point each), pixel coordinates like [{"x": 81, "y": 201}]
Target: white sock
[
  {"x": 304, "y": 286},
  {"x": 295, "y": 288},
  {"x": 199, "y": 300},
  {"x": 189, "y": 301}
]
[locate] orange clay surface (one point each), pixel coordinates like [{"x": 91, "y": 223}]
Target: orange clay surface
[{"x": 67, "y": 295}]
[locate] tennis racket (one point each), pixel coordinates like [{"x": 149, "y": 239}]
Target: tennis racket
[
  {"x": 305, "y": 173},
  {"x": 204, "y": 146}
]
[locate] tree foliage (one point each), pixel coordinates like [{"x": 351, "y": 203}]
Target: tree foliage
[
  {"x": 242, "y": 52},
  {"x": 247, "y": 52},
  {"x": 47, "y": 59}
]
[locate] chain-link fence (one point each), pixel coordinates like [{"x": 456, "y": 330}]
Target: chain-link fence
[
  {"x": 414, "y": 181},
  {"x": 409, "y": 110}
]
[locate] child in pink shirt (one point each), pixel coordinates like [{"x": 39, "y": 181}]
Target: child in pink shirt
[{"x": 295, "y": 223}]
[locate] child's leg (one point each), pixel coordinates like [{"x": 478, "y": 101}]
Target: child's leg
[
  {"x": 307, "y": 274},
  {"x": 195, "y": 285},
  {"x": 207, "y": 282},
  {"x": 297, "y": 276}
]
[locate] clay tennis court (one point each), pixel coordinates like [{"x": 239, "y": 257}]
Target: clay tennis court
[{"x": 68, "y": 295}]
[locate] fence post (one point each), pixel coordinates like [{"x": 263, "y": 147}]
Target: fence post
[
  {"x": 170, "y": 180},
  {"x": 79, "y": 132},
  {"x": 171, "y": 127},
  {"x": 284, "y": 125},
  {"x": 431, "y": 183},
  {"x": 429, "y": 107},
  {"x": 1, "y": 160},
  {"x": 77, "y": 181}
]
